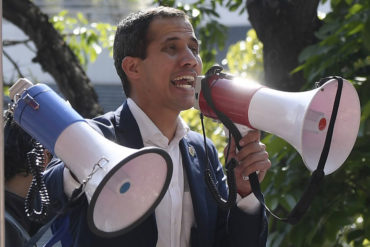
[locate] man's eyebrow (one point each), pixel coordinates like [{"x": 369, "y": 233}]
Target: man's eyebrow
[
  {"x": 177, "y": 38},
  {"x": 171, "y": 39}
]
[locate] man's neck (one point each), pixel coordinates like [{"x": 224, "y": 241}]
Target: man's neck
[
  {"x": 165, "y": 119},
  {"x": 166, "y": 123}
]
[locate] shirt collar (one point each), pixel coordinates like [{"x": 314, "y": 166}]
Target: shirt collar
[{"x": 150, "y": 133}]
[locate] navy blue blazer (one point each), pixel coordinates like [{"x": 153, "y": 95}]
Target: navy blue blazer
[{"x": 214, "y": 226}]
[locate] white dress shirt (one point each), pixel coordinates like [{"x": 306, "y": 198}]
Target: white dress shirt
[
  {"x": 173, "y": 229},
  {"x": 175, "y": 214}
]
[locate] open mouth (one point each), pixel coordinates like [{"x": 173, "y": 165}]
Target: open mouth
[{"x": 185, "y": 81}]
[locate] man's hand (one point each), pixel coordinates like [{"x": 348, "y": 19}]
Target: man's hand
[{"x": 251, "y": 158}]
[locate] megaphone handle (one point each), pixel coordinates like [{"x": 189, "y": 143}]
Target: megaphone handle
[{"x": 230, "y": 202}]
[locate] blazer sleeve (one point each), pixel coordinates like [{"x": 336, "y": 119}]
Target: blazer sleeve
[{"x": 53, "y": 177}]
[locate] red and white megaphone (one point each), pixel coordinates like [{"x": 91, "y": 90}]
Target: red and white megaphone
[
  {"x": 122, "y": 185},
  {"x": 300, "y": 118}
]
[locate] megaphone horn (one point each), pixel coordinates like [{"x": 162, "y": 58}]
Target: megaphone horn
[
  {"x": 300, "y": 118},
  {"x": 122, "y": 185}
]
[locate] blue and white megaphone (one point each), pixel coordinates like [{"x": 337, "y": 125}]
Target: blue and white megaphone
[{"x": 122, "y": 185}]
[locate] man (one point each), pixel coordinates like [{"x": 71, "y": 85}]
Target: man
[
  {"x": 19, "y": 170},
  {"x": 157, "y": 58}
]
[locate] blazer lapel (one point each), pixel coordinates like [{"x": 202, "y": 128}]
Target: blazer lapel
[
  {"x": 127, "y": 130},
  {"x": 195, "y": 175}
]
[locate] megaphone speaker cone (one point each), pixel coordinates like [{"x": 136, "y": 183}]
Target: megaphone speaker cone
[
  {"x": 302, "y": 120},
  {"x": 134, "y": 198},
  {"x": 124, "y": 186},
  {"x": 345, "y": 128}
]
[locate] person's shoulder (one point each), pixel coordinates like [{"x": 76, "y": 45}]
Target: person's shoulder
[
  {"x": 105, "y": 124},
  {"x": 193, "y": 136},
  {"x": 197, "y": 139},
  {"x": 15, "y": 234},
  {"x": 107, "y": 119}
]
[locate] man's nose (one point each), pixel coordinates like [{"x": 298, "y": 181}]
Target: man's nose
[{"x": 189, "y": 58}]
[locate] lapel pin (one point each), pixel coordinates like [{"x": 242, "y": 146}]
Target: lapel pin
[{"x": 191, "y": 151}]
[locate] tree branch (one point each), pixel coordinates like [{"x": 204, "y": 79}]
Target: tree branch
[
  {"x": 15, "y": 42},
  {"x": 18, "y": 42},
  {"x": 13, "y": 63},
  {"x": 54, "y": 55}
]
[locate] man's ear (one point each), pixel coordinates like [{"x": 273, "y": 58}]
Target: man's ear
[{"x": 130, "y": 66}]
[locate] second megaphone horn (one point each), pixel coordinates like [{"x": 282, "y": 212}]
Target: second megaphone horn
[{"x": 122, "y": 185}]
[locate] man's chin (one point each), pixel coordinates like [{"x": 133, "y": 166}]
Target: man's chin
[
  {"x": 185, "y": 107},
  {"x": 190, "y": 104}
]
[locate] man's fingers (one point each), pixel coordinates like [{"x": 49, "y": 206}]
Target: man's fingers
[
  {"x": 244, "y": 169},
  {"x": 251, "y": 136},
  {"x": 250, "y": 149}
]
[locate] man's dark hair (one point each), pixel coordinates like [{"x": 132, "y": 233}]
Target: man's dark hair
[
  {"x": 17, "y": 143},
  {"x": 131, "y": 37}
]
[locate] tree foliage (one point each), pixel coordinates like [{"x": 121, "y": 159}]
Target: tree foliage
[
  {"x": 338, "y": 215},
  {"x": 86, "y": 40},
  {"x": 343, "y": 49},
  {"x": 245, "y": 58}
]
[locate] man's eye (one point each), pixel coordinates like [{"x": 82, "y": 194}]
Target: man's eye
[{"x": 194, "y": 49}]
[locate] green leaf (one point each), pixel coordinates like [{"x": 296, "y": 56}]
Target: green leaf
[
  {"x": 81, "y": 18},
  {"x": 355, "y": 234},
  {"x": 308, "y": 52},
  {"x": 365, "y": 112},
  {"x": 288, "y": 202},
  {"x": 327, "y": 29},
  {"x": 299, "y": 68},
  {"x": 272, "y": 202},
  {"x": 354, "y": 10},
  {"x": 6, "y": 90},
  {"x": 358, "y": 28},
  {"x": 366, "y": 34}
]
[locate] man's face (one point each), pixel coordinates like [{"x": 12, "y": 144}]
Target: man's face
[{"x": 168, "y": 73}]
